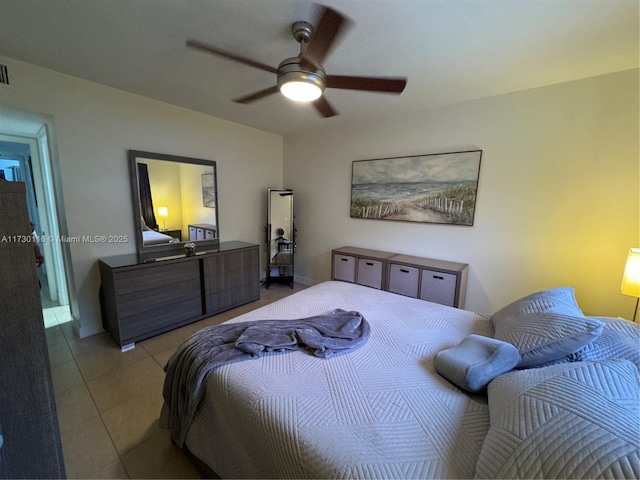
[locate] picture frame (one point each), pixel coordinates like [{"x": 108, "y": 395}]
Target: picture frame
[
  {"x": 209, "y": 190},
  {"x": 437, "y": 188}
]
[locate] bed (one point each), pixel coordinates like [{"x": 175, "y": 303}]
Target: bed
[
  {"x": 382, "y": 410},
  {"x": 152, "y": 237}
]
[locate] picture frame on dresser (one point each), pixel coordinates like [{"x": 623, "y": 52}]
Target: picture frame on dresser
[{"x": 433, "y": 188}]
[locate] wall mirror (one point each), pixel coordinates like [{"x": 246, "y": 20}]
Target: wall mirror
[
  {"x": 280, "y": 241},
  {"x": 175, "y": 201}
]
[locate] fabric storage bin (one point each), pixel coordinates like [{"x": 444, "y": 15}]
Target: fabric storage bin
[
  {"x": 369, "y": 273},
  {"x": 438, "y": 287},
  {"x": 344, "y": 268},
  {"x": 404, "y": 280}
]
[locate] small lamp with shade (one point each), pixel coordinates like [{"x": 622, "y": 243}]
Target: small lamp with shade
[
  {"x": 631, "y": 277},
  {"x": 163, "y": 213}
]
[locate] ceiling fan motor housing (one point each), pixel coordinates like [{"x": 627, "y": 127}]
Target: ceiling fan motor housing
[{"x": 291, "y": 70}]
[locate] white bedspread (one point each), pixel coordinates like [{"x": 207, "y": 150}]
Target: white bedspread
[
  {"x": 151, "y": 237},
  {"x": 378, "y": 412}
]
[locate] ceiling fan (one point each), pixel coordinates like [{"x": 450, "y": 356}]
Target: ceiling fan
[{"x": 303, "y": 78}]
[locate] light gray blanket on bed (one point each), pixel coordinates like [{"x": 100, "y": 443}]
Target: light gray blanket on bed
[{"x": 187, "y": 369}]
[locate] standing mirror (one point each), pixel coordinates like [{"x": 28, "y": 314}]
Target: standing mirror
[
  {"x": 174, "y": 202},
  {"x": 280, "y": 241}
]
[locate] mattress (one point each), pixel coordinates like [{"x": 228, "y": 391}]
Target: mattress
[{"x": 380, "y": 411}]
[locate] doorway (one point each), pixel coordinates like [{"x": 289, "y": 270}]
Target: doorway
[{"x": 26, "y": 158}]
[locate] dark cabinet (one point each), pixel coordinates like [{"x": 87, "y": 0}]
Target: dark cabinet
[
  {"x": 143, "y": 299},
  {"x": 29, "y": 436}
]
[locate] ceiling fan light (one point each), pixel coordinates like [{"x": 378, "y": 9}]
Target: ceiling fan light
[
  {"x": 301, "y": 91},
  {"x": 298, "y": 83}
]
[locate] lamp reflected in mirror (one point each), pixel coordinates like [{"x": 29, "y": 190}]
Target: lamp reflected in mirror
[{"x": 163, "y": 213}]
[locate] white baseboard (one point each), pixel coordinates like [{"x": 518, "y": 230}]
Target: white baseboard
[
  {"x": 87, "y": 330},
  {"x": 304, "y": 280}
]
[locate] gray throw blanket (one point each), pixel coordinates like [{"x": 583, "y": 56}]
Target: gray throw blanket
[{"x": 187, "y": 369}]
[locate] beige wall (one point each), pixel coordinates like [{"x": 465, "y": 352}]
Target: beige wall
[
  {"x": 558, "y": 199},
  {"x": 164, "y": 178},
  {"x": 96, "y": 125}
]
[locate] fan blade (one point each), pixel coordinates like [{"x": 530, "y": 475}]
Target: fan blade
[
  {"x": 230, "y": 56},
  {"x": 330, "y": 25},
  {"x": 369, "y": 84},
  {"x": 257, "y": 95},
  {"x": 324, "y": 107}
]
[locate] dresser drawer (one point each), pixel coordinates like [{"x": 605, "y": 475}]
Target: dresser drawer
[
  {"x": 157, "y": 276},
  {"x": 438, "y": 287},
  {"x": 404, "y": 280},
  {"x": 155, "y": 297},
  {"x": 344, "y": 268},
  {"x": 230, "y": 262},
  {"x": 369, "y": 273}
]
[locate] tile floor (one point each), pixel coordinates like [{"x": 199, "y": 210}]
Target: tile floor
[
  {"x": 56, "y": 315},
  {"x": 108, "y": 402}
]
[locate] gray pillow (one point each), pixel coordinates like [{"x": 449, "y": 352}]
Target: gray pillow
[
  {"x": 475, "y": 361},
  {"x": 575, "y": 420},
  {"x": 545, "y": 326},
  {"x": 620, "y": 339}
]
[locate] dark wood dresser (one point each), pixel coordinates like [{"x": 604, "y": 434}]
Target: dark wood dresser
[{"x": 140, "y": 299}]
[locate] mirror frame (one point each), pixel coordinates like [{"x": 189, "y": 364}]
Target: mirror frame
[
  {"x": 169, "y": 248},
  {"x": 270, "y": 239}
]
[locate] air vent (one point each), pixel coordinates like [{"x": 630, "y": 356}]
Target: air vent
[{"x": 4, "y": 75}]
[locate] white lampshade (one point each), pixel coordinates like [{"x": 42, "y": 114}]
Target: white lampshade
[
  {"x": 631, "y": 277},
  {"x": 301, "y": 91},
  {"x": 163, "y": 212}
]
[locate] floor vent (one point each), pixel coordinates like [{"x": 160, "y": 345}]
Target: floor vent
[{"x": 4, "y": 75}]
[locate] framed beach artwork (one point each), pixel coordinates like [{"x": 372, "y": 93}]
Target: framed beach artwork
[
  {"x": 209, "y": 190},
  {"x": 435, "y": 188}
]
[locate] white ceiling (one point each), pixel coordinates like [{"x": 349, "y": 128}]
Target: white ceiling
[{"x": 450, "y": 50}]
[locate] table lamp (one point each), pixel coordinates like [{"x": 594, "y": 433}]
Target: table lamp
[
  {"x": 631, "y": 277},
  {"x": 163, "y": 213}
]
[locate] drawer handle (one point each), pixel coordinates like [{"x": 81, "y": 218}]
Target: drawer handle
[
  {"x": 437, "y": 277},
  {"x": 369, "y": 263},
  {"x": 404, "y": 271},
  {"x": 344, "y": 259}
]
